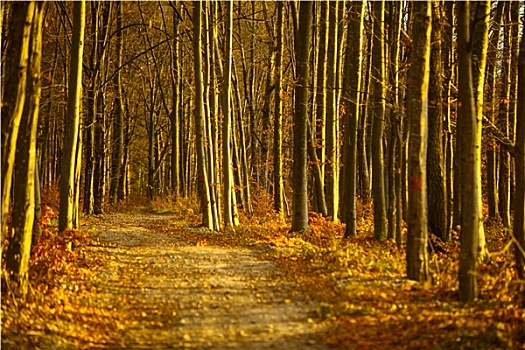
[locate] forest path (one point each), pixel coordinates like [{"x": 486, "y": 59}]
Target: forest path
[{"x": 180, "y": 295}]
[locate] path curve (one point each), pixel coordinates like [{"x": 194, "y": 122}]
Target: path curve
[{"x": 196, "y": 297}]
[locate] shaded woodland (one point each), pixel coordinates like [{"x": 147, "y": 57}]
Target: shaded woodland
[{"x": 403, "y": 122}]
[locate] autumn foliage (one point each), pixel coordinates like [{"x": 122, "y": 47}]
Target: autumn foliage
[{"x": 358, "y": 284}]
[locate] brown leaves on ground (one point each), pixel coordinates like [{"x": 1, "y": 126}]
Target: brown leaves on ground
[{"x": 359, "y": 286}]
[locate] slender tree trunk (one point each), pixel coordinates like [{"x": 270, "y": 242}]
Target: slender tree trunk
[
  {"x": 226, "y": 122},
  {"x": 467, "y": 129},
  {"x": 202, "y": 176},
  {"x": 418, "y": 80},
  {"x": 300, "y": 186},
  {"x": 317, "y": 170},
  {"x": 378, "y": 114},
  {"x": 278, "y": 183},
  {"x": 72, "y": 123},
  {"x": 118, "y": 123},
  {"x": 175, "y": 169},
  {"x": 437, "y": 201},
  {"x": 332, "y": 115},
  {"x": 504, "y": 122},
  {"x": 519, "y": 200},
  {"x": 448, "y": 57},
  {"x": 490, "y": 98},
  {"x": 480, "y": 45},
  {"x": 350, "y": 101}
]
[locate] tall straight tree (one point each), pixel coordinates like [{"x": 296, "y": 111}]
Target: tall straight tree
[
  {"x": 18, "y": 252},
  {"x": 437, "y": 217},
  {"x": 176, "y": 174},
  {"x": 118, "y": 122},
  {"x": 480, "y": 20},
  {"x": 351, "y": 100},
  {"x": 71, "y": 130},
  {"x": 490, "y": 98},
  {"x": 519, "y": 167},
  {"x": 226, "y": 122},
  {"x": 467, "y": 129},
  {"x": 202, "y": 176},
  {"x": 331, "y": 174},
  {"x": 418, "y": 79},
  {"x": 278, "y": 183},
  {"x": 14, "y": 95},
  {"x": 302, "y": 52},
  {"x": 377, "y": 100}
]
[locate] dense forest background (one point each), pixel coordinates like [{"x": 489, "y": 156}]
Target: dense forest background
[{"x": 414, "y": 110}]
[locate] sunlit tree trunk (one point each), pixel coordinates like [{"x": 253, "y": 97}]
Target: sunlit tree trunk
[
  {"x": 302, "y": 51},
  {"x": 71, "y": 130},
  {"x": 331, "y": 173},
  {"x": 202, "y": 176},
  {"x": 467, "y": 129},
  {"x": 480, "y": 45},
  {"x": 14, "y": 95},
  {"x": 226, "y": 122},
  {"x": 175, "y": 115},
  {"x": 18, "y": 252}
]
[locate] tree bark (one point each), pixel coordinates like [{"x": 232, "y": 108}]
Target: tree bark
[
  {"x": 278, "y": 183},
  {"x": 72, "y": 123},
  {"x": 519, "y": 200},
  {"x": 18, "y": 252},
  {"x": 300, "y": 186},
  {"x": 202, "y": 176},
  {"x": 226, "y": 122},
  {"x": 350, "y": 101},
  {"x": 378, "y": 115},
  {"x": 17, "y": 56},
  {"x": 418, "y": 80},
  {"x": 436, "y": 190},
  {"x": 467, "y": 129}
]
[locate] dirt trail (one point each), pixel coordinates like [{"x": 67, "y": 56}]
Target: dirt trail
[{"x": 196, "y": 297}]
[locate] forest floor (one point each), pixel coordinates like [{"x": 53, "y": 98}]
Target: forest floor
[{"x": 151, "y": 278}]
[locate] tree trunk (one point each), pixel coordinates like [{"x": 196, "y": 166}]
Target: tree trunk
[
  {"x": 480, "y": 44},
  {"x": 226, "y": 122},
  {"x": 436, "y": 182},
  {"x": 378, "y": 115},
  {"x": 490, "y": 98},
  {"x": 467, "y": 129},
  {"x": 72, "y": 123},
  {"x": 17, "y": 56},
  {"x": 278, "y": 183},
  {"x": 18, "y": 252},
  {"x": 350, "y": 101},
  {"x": 331, "y": 173},
  {"x": 300, "y": 118},
  {"x": 503, "y": 122},
  {"x": 519, "y": 152},
  {"x": 118, "y": 122},
  {"x": 202, "y": 176},
  {"x": 418, "y": 80}
]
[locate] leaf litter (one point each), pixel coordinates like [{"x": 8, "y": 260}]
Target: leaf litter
[{"x": 148, "y": 279}]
